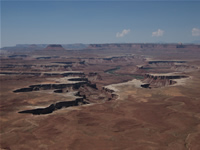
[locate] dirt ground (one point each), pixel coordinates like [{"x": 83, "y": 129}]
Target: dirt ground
[{"x": 136, "y": 118}]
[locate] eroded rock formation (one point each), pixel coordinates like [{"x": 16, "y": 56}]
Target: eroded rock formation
[
  {"x": 73, "y": 86},
  {"x": 159, "y": 80},
  {"x": 85, "y": 89}
]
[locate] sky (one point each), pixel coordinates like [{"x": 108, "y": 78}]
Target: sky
[{"x": 68, "y": 22}]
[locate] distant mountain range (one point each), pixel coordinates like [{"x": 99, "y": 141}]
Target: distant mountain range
[{"x": 30, "y": 47}]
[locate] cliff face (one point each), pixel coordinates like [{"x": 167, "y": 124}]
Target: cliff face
[
  {"x": 68, "y": 87},
  {"x": 155, "y": 81},
  {"x": 54, "y": 107},
  {"x": 54, "y": 47},
  {"x": 83, "y": 87}
]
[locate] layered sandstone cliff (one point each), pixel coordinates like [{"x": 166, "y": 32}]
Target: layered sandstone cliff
[{"x": 160, "y": 80}]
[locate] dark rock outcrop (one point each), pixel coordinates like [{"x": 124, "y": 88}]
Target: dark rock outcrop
[
  {"x": 78, "y": 79},
  {"x": 54, "y": 107},
  {"x": 145, "y": 85},
  {"x": 58, "y": 91},
  {"x": 38, "y": 87},
  {"x": 54, "y": 47}
]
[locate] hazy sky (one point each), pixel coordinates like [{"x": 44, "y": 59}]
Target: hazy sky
[{"x": 64, "y": 22}]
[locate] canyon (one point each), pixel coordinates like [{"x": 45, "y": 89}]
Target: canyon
[{"x": 100, "y": 96}]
